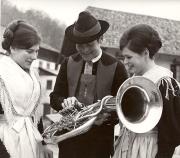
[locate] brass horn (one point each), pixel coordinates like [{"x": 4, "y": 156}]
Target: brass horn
[{"x": 138, "y": 104}]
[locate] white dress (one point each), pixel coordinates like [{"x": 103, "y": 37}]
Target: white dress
[
  {"x": 144, "y": 145},
  {"x": 19, "y": 97}
]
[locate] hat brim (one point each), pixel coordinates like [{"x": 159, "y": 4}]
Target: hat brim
[{"x": 80, "y": 40}]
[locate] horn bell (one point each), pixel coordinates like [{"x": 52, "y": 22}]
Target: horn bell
[{"x": 139, "y": 104}]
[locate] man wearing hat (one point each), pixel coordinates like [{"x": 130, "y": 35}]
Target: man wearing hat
[{"x": 84, "y": 78}]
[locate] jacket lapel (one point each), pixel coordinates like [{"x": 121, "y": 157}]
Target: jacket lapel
[{"x": 74, "y": 68}]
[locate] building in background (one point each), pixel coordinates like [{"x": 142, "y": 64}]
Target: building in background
[{"x": 48, "y": 70}]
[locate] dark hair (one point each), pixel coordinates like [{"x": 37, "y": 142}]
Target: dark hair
[
  {"x": 20, "y": 34},
  {"x": 141, "y": 37}
]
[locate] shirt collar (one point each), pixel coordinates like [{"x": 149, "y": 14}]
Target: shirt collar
[{"x": 97, "y": 58}]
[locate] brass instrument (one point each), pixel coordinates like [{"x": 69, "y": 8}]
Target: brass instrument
[
  {"x": 138, "y": 104},
  {"x": 76, "y": 121}
]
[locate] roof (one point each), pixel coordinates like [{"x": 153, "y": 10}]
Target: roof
[
  {"x": 169, "y": 30},
  {"x": 48, "y": 47},
  {"x": 45, "y": 72}
]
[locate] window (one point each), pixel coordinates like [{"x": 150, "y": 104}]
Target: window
[
  {"x": 48, "y": 65},
  {"x": 49, "y": 85}
]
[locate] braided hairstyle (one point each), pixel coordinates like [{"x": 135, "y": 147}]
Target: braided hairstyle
[
  {"x": 141, "y": 37},
  {"x": 20, "y": 34}
]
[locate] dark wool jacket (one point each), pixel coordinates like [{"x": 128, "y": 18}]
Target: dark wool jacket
[{"x": 98, "y": 137}]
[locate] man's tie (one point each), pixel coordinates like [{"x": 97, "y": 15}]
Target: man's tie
[{"x": 88, "y": 68}]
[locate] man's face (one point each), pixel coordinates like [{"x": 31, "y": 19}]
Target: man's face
[
  {"x": 88, "y": 51},
  {"x": 134, "y": 63}
]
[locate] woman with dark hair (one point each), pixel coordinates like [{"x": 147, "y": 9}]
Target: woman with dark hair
[
  {"x": 20, "y": 92},
  {"x": 139, "y": 45}
]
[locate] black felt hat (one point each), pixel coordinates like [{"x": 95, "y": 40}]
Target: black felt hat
[{"x": 86, "y": 29}]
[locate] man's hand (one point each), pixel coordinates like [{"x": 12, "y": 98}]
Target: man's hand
[{"x": 71, "y": 102}]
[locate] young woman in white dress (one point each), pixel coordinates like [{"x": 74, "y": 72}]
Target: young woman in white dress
[{"x": 20, "y": 92}]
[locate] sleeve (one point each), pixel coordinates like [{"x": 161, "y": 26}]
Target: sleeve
[
  {"x": 60, "y": 89},
  {"x": 169, "y": 124},
  {"x": 119, "y": 77}
]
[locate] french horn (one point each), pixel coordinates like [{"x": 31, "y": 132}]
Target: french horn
[
  {"x": 75, "y": 121},
  {"x": 138, "y": 104}
]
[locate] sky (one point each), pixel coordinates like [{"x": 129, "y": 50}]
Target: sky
[{"x": 66, "y": 11}]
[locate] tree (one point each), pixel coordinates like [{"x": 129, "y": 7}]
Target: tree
[{"x": 52, "y": 31}]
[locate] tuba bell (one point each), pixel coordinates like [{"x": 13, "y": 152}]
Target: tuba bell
[{"x": 138, "y": 104}]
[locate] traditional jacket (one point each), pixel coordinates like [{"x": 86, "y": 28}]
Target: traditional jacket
[{"x": 19, "y": 98}]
